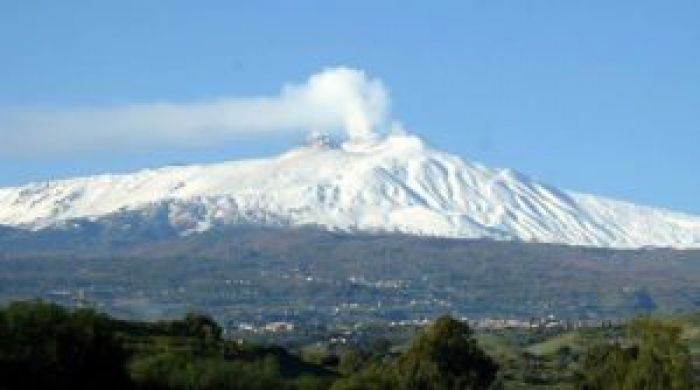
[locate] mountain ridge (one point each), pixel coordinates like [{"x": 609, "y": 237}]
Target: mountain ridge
[{"x": 392, "y": 184}]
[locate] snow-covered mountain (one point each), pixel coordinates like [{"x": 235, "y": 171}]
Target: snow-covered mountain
[{"x": 396, "y": 184}]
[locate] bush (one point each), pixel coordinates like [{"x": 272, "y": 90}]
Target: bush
[{"x": 183, "y": 371}]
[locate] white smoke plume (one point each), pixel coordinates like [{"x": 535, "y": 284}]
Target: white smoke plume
[{"x": 334, "y": 100}]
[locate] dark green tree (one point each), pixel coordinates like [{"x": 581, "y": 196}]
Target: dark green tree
[
  {"x": 197, "y": 325},
  {"x": 651, "y": 357},
  {"x": 446, "y": 356},
  {"x": 45, "y": 346}
]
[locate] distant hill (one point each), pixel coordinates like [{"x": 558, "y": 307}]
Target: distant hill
[{"x": 249, "y": 273}]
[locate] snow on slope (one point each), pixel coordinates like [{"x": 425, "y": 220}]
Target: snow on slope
[{"x": 395, "y": 184}]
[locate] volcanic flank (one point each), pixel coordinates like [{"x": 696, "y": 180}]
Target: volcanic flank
[{"x": 390, "y": 184}]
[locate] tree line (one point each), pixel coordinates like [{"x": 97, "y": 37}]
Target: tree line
[{"x": 45, "y": 346}]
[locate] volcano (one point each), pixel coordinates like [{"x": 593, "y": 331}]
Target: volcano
[{"x": 392, "y": 184}]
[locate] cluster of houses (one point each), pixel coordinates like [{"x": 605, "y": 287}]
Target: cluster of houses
[
  {"x": 270, "y": 327},
  {"x": 547, "y": 322},
  {"x": 486, "y": 323}
]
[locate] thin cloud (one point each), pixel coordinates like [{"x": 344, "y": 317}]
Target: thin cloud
[{"x": 334, "y": 100}]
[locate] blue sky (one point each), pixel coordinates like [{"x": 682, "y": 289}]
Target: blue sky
[{"x": 596, "y": 96}]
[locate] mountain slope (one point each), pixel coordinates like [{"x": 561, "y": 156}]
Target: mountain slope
[{"x": 395, "y": 184}]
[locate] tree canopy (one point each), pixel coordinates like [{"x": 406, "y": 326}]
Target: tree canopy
[
  {"x": 44, "y": 346},
  {"x": 651, "y": 357}
]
